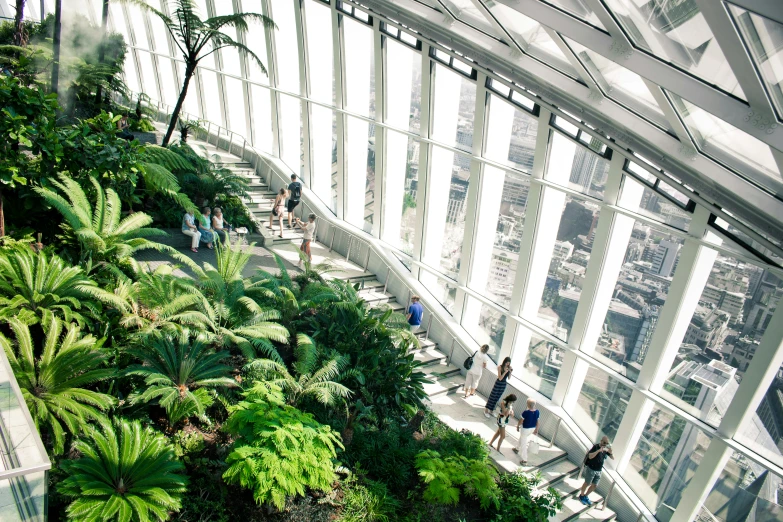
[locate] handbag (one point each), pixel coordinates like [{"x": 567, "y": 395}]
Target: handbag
[
  {"x": 533, "y": 447},
  {"x": 468, "y": 364}
]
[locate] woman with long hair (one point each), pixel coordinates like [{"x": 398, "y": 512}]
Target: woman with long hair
[
  {"x": 504, "y": 371},
  {"x": 506, "y": 413}
]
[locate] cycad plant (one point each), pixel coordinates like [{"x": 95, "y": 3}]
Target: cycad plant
[
  {"x": 197, "y": 38},
  {"x": 32, "y": 284},
  {"x": 103, "y": 235},
  {"x": 53, "y": 384},
  {"x": 126, "y": 472},
  {"x": 179, "y": 370},
  {"x": 310, "y": 380}
]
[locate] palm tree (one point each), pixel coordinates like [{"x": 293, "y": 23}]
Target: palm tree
[
  {"x": 235, "y": 317},
  {"x": 35, "y": 284},
  {"x": 197, "y": 39},
  {"x": 178, "y": 370},
  {"x": 312, "y": 381},
  {"x": 125, "y": 472},
  {"x": 104, "y": 237},
  {"x": 52, "y": 385}
]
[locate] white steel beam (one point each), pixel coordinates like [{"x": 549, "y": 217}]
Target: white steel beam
[
  {"x": 273, "y": 80},
  {"x": 424, "y": 155},
  {"x": 304, "y": 90},
  {"x": 339, "y": 69},
  {"x": 576, "y": 64},
  {"x": 768, "y": 8},
  {"x": 380, "y": 131}
]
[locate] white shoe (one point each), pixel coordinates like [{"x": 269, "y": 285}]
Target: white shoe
[{"x": 487, "y": 415}]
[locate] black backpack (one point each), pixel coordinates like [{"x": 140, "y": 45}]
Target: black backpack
[
  {"x": 296, "y": 192},
  {"x": 468, "y": 364}
]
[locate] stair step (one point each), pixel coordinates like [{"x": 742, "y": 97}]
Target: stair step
[
  {"x": 394, "y": 305},
  {"x": 367, "y": 285},
  {"x": 441, "y": 370},
  {"x": 429, "y": 356},
  {"x": 573, "y": 508},
  {"x": 367, "y": 276},
  {"x": 372, "y": 296},
  {"x": 445, "y": 386},
  {"x": 596, "y": 514},
  {"x": 569, "y": 485},
  {"x": 556, "y": 472}
]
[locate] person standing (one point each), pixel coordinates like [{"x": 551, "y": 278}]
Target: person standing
[
  {"x": 307, "y": 238},
  {"x": 504, "y": 370},
  {"x": 529, "y": 424},
  {"x": 594, "y": 465},
  {"x": 294, "y": 195},
  {"x": 415, "y": 312},
  {"x": 473, "y": 377},
  {"x": 506, "y": 412},
  {"x": 278, "y": 209}
]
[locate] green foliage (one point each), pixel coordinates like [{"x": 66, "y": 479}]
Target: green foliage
[
  {"x": 386, "y": 455},
  {"x": 369, "y": 501},
  {"x": 178, "y": 371},
  {"x": 446, "y": 478},
  {"x": 519, "y": 502},
  {"x": 187, "y": 444},
  {"x": 126, "y": 472},
  {"x": 32, "y": 285},
  {"x": 280, "y": 450},
  {"x": 54, "y": 384}
]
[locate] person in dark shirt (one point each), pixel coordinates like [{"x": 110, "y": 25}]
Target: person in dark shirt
[
  {"x": 415, "y": 311},
  {"x": 294, "y": 195},
  {"x": 594, "y": 464},
  {"x": 529, "y": 424}
]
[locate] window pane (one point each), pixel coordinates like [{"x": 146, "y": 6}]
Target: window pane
[
  {"x": 580, "y": 9},
  {"x": 485, "y": 324},
  {"x": 148, "y": 74},
  {"x": 138, "y": 26},
  {"x": 160, "y": 34},
  {"x": 657, "y": 207},
  {"x": 370, "y": 219},
  {"x": 286, "y": 47},
  {"x": 664, "y": 461},
  {"x": 403, "y": 91},
  {"x": 536, "y": 362},
  {"x": 229, "y": 55},
  {"x": 289, "y": 123},
  {"x": 320, "y": 51},
  {"x": 576, "y": 230},
  {"x": 601, "y": 404},
  {"x": 522, "y": 128},
  {"x": 236, "y": 109},
  {"x": 359, "y": 167},
  {"x": 169, "y": 86},
  {"x": 454, "y": 101},
  {"x": 211, "y": 97},
  {"x": 443, "y": 290},
  {"x": 255, "y": 40},
  {"x": 359, "y": 80},
  {"x": 262, "y": 119},
  {"x": 576, "y": 167},
  {"x": 323, "y": 154},
  {"x": 190, "y": 104},
  {"x": 399, "y": 205}
]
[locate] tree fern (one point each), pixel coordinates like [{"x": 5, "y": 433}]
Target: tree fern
[
  {"x": 280, "y": 450},
  {"x": 53, "y": 384},
  {"x": 446, "y": 478},
  {"x": 126, "y": 472}
]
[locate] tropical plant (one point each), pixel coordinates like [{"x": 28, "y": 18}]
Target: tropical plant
[
  {"x": 105, "y": 239},
  {"x": 446, "y": 478},
  {"x": 369, "y": 502},
  {"x": 53, "y": 384},
  {"x": 235, "y": 318},
  {"x": 179, "y": 369},
  {"x": 33, "y": 284},
  {"x": 197, "y": 39},
  {"x": 310, "y": 380},
  {"x": 188, "y": 126},
  {"x": 280, "y": 450},
  {"x": 519, "y": 502},
  {"x": 125, "y": 472}
]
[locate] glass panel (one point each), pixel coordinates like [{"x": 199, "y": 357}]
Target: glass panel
[
  {"x": 255, "y": 40},
  {"x": 160, "y": 34},
  {"x": 453, "y": 106},
  {"x": 286, "y": 47},
  {"x": 236, "y": 109},
  {"x": 450, "y": 224},
  {"x": 537, "y": 362},
  {"x": 117, "y": 19},
  {"x": 323, "y": 154},
  {"x": 588, "y": 171},
  {"x": 733, "y": 312},
  {"x": 211, "y": 97},
  {"x": 190, "y": 104},
  {"x": 370, "y": 219},
  {"x": 289, "y": 122},
  {"x": 580, "y": 9},
  {"x": 745, "y": 491},
  {"x": 601, "y": 404},
  {"x": 359, "y": 78},
  {"x": 565, "y": 278},
  {"x": 764, "y": 38},
  {"x": 138, "y": 26},
  {"x": 148, "y": 74},
  {"x": 467, "y": 11},
  {"x": 485, "y": 324},
  {"x": 262, "y": 119},
  {"x": 620, "y": 84},
  {"x": 727, "y": 143},
  {"x": 443, "y": 290},
  {"x": 657, "y": 207},
  {"x": 664, "y": 461},
  {"x": 403, "y": 70},
  {"x": 229, "y": 56},
  {"x": 675, "y": 31},
  {"x": 169, "y": 86},
  {"x": 320, "y": 51},
  {"x": 402, "y": 178},
  {"x": 522, "y": 146}
]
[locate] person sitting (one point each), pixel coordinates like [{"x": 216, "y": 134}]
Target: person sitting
[
  {"x": 220, "y": 225},
  {"x": 124, "y": 127},
  {"x": 189, "y": 228},
  {"x": 205, "y": 227}
]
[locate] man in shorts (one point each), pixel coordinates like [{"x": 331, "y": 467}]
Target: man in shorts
[
  {"x": 294, "y": 195},
  {"x": 594, "y": 465},
  {"x": 309, "y": 234}
]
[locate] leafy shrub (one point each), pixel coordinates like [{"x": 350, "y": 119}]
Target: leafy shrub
[
  {"x": 369, "y": 502},
  {"x": 187, "y": 444},
  {"x": 519, "y": 503},
  {"x": 281, "y": 451},
  {"x": 386, "y": 454},
  {"x": 445, "y": 476},
  {"x": 126, "y": 472}
]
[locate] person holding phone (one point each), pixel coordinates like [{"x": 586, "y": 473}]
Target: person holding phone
[
  {"x": 504, "y": 371},
  {"x": 594, "y": 465}
]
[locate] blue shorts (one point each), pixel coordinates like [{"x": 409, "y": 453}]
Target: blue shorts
[{"x": 591, "y": 476}]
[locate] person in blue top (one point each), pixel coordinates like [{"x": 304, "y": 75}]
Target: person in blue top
[
  {"x": 529, "y": 424},
  {"x": 415, "y": 311}
]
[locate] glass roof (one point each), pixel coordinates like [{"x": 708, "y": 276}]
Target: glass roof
[{"x": 579, "y": 9}]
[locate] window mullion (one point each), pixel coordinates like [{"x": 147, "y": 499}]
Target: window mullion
[
  {"x": 380, "y": 131},
  {"x": 273, "y": 80},
  {"x": 304, "y": 90},
  {"x": 339, "y": 70},
  {"x": 424, "y": 154}
]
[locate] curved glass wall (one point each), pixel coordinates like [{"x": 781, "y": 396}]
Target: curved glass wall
[{"x": 622, "y": 299}]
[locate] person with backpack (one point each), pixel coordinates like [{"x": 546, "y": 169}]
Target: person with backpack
[
  {"x": 506, "y": 413},
  {"x": 529, "y": 424},
  {"x": 594, "y": 465},
  {"x": 294, "y": 195},
  {"x": 475, "y": 364}
]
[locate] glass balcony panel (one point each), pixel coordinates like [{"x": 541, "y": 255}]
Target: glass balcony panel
[
  {"x": 664, "y": 461},
  {"x": 676, "y": 32},
  {"x": 726, "y": 143},
  {"x": 577, "y": 167},
  {"x": 601, "y": 404},
  {"x": 580, "y": 9},
  {"x": 402, "y": 180},
  {"x": 320, "y": 52}
]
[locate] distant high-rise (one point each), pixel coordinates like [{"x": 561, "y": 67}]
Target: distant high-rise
[{"x": 664, "y": 258}]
